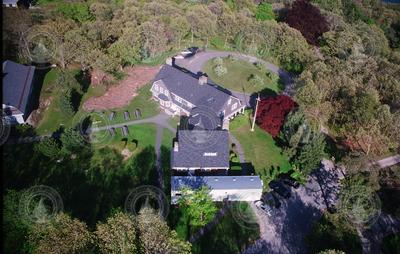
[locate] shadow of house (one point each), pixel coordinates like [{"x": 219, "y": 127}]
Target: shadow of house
[{"x": 21, "y": 90}]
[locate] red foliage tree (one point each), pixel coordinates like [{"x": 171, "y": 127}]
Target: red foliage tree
[
  {"x": 271, "y": 113},
  {"x": 307, "y": 18}
]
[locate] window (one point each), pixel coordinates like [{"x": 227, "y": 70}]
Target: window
[
  {"x": 161, "y": 89},
  {"x": 229, "y": 101},
  {"x": 178, "y": 99},
  {"x": 166, "y": 92},
  {"x": 234, "y": 106},
  {"x": 156, "y": 88},
  {"x": 168, "y": 104}
]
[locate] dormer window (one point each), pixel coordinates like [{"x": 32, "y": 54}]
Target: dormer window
[{"x": 234, "y": 106}]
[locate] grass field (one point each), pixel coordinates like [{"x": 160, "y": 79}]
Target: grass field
[
  {"x": 144, "y": 134},
  {"x": 237, "y": 77},
  {"x": 52, "y": 118},
  {"x": 259, "y": 147}
]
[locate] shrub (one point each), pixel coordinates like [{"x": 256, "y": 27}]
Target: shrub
[
  {"x": 256, "y": 80},
  {"x": 218, "y": 61},
  {"x": 232, "y": 58},
  {"x": 220, "y": 70},
  {"x": 259, "y": 65}
]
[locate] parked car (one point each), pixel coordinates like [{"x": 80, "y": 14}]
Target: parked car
[
  {"x": 290, "y": 181},
  {"x": 279, "y": 188},
  {"x": 272, "y": 200},
  {"x": 194, "y": 50},
  {"x": 266, "y": 208}
]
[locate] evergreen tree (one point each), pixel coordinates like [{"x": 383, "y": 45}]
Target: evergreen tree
[
  {"x": 65, "y": 103},
  {"x": 71, "y": 140},
  {"x": 49, "y": 147}
]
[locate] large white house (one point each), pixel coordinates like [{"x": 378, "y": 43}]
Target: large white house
[
  {"x": 178, "y": 91},
  {"x": 200, "y": 154}
]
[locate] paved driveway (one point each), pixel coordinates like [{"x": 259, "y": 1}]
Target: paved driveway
[
  {"x": 195, "y": 64},
  {"x": 285, "y": 230}
]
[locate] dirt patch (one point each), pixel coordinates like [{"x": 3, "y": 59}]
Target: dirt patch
[
  {"x": 120, "y": 95},
  {"x": 37, "y": 115}
]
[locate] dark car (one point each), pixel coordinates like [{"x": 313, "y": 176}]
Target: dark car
[
  {"x": 290, "y": 181},
  {"x": 279, "y": 188},
  {"x": 271, "y": 199},
  {"x": 264, "y": 207},
  {"x": 194, "y": 50}
]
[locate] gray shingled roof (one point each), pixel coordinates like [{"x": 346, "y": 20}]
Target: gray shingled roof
[
  {"x": 201, "y": 149},
  {"x": 17, "y": 84},
  {"x": 216, "y": 182},
  {"x": 187, "y": 87}
]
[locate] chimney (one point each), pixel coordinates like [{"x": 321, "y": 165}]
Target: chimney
[
  {"x": 202, "y": 79},
  {"x": 176, "y": 146},
  {"x": 170, "y": 61}
]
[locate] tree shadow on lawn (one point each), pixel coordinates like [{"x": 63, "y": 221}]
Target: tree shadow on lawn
[
  {"x": 37, "y": 85},
  {"x": 83, "y": 78},
  {"x": 266, "y": 92}
]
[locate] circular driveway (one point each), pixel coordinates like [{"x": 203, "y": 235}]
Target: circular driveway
[{"x": 195, "y": 65}]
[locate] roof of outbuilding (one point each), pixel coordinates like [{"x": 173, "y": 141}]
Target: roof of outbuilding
[
  {"x": 216, "y": 182},
  {"x": 17, "y": 83},
  {"x": 187, "y": 87},
  {"x": 201, "y": 149}
]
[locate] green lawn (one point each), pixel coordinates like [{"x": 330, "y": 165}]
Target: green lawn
[
  {"x": 52, "y": 118},
  {"x": 238, "y": 74},
  {"x": 145, "y": 134},
  {"x": 259, "y": 147},
  {"x": 167, "y": 138}
]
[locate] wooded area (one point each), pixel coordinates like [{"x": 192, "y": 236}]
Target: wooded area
[{"x": 345, "y": 57}]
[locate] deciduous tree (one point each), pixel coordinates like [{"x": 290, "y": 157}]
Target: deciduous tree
[
  {"x": 199, "y": 206},
  {"x": 272, "y": 111},
  {"x": 62, "y": 234},
  {"x": 118, "y": 235},
  {"x": 156, "y": 237},
  {"x": 308, "y": 20}
]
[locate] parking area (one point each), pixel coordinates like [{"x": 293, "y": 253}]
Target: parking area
[{"x": 285, "y": 229}]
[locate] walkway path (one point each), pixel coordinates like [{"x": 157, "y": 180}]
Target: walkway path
[
  {"x": 389, "y": 161},
  {"x": 157, "y": 149},
  {"x": 161, "y": 120}
]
